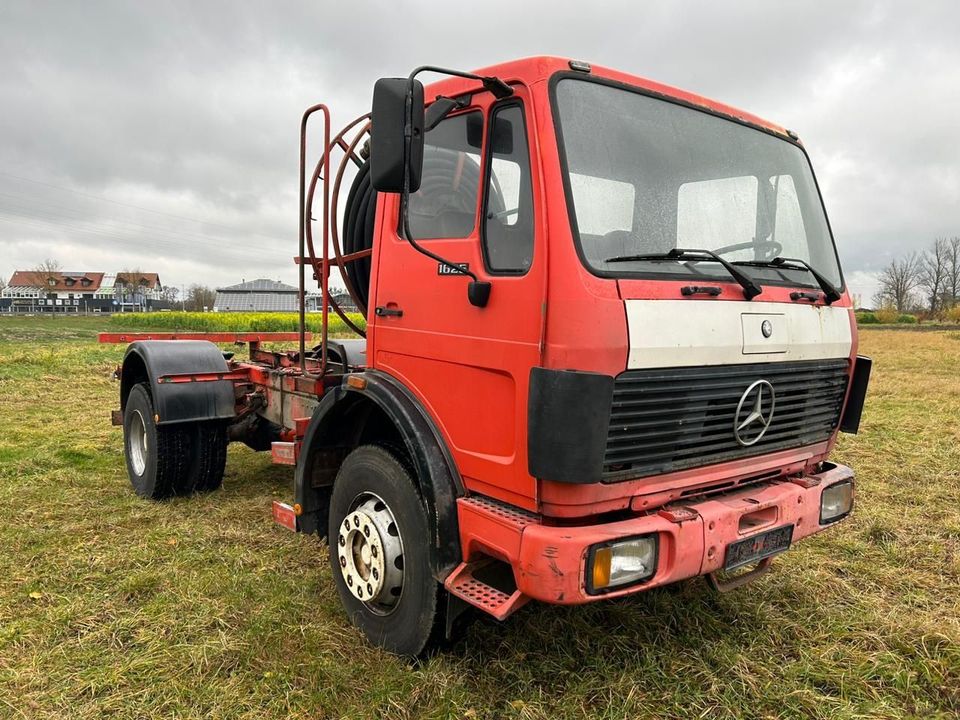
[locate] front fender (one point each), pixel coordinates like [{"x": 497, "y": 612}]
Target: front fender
[{"x": 440, "y": 483}]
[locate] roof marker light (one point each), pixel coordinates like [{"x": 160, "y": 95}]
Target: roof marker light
[{"x": 580, "y": 66}]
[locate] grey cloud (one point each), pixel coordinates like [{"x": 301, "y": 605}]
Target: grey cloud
[{"x": 191, "y": 109}]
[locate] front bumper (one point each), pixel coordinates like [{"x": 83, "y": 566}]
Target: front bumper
[{"x": 550, "y": 561}]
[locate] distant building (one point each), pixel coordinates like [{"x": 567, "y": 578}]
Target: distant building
[
  {"x": 136, "y": 290},
  {"x": 264, "y": 295},
  {"x": 76, "y": 292},
  {"x": 344, "y": 301},
  {"x": 257, "y": 296}
]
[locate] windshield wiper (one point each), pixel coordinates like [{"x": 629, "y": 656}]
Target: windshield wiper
[
  {"x": 750, "y": 288},
  {"x": 830, "y": 292}
]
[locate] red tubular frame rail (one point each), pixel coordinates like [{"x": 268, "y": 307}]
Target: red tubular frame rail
[{"x": 215, "y": 337}]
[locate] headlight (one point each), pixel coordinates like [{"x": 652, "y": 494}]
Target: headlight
[
  {"x": 836, "y": 501},
  {"x": 619, "y": 563}
]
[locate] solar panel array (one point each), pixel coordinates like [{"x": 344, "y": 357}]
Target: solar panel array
[{"x": 256, "y": 302}]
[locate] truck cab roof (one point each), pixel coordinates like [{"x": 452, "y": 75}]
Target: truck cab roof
[{"x": 541, "y": 68}]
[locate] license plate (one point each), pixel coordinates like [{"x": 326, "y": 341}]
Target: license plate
[{"x": 758, "y": 547}]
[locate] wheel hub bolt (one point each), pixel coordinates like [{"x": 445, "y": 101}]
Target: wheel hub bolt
[{"x": 370, "y": 554}]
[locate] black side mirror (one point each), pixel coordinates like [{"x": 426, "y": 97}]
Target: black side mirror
[{"x": 389, "y": 161}]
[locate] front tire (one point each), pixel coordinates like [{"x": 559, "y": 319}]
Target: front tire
[{"x": 379, "y": 553}]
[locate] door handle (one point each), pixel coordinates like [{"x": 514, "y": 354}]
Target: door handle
[
  {"x": 382, "y": 311},
  {"x": 700, "y": 290}
]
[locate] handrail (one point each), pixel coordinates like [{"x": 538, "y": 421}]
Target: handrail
[{"x": 304, "y": 219}]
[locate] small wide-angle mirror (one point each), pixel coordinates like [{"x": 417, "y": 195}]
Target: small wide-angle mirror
[
  {"x": 475, "y": 130},
  {"x": 389, "y": 161},
  {"x": 478, "y": 292},
  {"x": 502, "y": 139},
  {"x": 438, "y": 110}
]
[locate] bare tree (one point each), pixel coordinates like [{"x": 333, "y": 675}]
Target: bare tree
[
  {"x": 952, "y": 286},
  {"x": 934, "y": 267},
  {"x": 898, "y": 280},
  {"x": 199, "y": 297},
  {"x": 170, "y": 294},
  {"x": 3, "y": 284},
  {"x": 42, "y": 271},
  {"x": 48, "y": 266},
  {"x": 126, "y": 288}
]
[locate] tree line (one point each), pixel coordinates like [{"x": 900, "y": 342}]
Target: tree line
[{"x": 925, "y": 281}]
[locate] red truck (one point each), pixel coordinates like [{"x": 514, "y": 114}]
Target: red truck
[{"x": 607, "y": 347}]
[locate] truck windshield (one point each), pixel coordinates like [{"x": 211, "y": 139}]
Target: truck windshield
[{"x": 647, "y": 175}]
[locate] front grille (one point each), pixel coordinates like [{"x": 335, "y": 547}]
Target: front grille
[{"x": 677, "y": 418}]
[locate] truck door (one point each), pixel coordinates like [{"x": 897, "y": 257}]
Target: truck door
[{"x": 469, "y": 366}]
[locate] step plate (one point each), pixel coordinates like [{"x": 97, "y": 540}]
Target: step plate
[
  {"x": 506, "y": 514},
  {"x": 492, "y": 601}
]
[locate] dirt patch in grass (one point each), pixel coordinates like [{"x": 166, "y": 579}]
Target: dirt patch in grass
[{"x": 201, "y": 607}]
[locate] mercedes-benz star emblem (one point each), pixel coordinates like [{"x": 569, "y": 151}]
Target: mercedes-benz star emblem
[
  {"x": 754, "y": 413},
  {"x": 766, "y": 327}
]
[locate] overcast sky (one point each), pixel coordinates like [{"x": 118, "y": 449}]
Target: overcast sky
[{"x": 163, "y": 135}]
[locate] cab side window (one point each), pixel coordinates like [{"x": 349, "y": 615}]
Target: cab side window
[
  {"x": 445, "y": 206},
  {"x": 508, "y": 204}
]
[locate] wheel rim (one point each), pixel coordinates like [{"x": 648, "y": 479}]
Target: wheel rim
[
  {"x": 137, "y": 443},
  {"x": 370, "y": 554}
]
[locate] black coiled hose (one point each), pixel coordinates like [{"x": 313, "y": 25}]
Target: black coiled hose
[
  {"x": 446, "y": 204},
  {"x": 358, "y": 220}
]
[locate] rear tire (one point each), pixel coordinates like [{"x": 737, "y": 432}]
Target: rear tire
[
  {"x": 208, "y": 451},
  {"x": 156, "y": 456},
  {"x": 379, "y": 542},
  {"x": 174, "y": 460}
]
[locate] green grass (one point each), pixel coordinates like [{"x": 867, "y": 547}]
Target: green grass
[
  {"x": 201, "y": 607},
  {"x": 227, "y": 322}
]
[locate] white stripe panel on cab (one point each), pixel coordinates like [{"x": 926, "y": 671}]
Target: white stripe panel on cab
[{"x": 684, "y": 333}]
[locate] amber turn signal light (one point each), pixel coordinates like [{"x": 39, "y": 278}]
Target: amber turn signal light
[
  {"x": 601, "y": 567},
  {"x": 356, "y": 382},
  {"x": 620, "y": 563}
]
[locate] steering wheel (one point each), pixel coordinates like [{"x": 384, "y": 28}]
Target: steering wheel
[{"x": 768, "y": 249}]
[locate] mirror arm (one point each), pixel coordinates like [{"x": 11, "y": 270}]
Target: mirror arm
[{"x": 494, "y": 84}]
